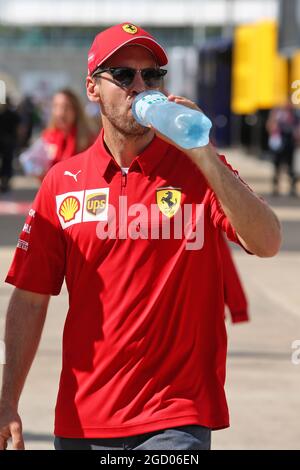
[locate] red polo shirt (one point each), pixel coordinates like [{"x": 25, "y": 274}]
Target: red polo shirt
[{"x": 144, "y": 343}]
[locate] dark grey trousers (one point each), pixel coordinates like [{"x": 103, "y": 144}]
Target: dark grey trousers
[{"x": 192, "y": 437}]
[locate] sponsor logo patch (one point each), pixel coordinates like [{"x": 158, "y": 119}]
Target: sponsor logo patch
[
  {"x": 168, "y": 200},
  {"x": 69, "y": 208},
  {"x": 129, "y": 28},
  {"x": 76, "y": 207},
  {"x": 26, "y": 228},
  {"x": 22, "y": 244},
  {"x": 95, "y": 205},
  {"x": 73, "y": 175}
]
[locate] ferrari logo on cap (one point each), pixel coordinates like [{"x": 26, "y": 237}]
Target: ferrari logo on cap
[
  {"x": 168, "y": 200},
  {"x": 129, "y": 28}
]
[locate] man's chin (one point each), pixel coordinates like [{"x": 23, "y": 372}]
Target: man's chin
[
  {"x": 136, "y": 130},
  {"x": 129, "y": 127}
]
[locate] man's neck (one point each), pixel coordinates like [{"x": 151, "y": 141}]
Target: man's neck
[{"x": 125, "y": 148}]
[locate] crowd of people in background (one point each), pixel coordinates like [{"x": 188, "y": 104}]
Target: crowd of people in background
[{"x": 41, "y": 136}]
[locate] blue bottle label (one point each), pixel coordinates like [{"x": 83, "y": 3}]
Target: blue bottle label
[{"x": 143, "y": 104}]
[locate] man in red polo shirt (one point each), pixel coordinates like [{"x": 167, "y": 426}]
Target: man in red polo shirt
[{"x": 132, "y": 225}]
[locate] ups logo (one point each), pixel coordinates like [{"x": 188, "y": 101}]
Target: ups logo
[{"x": 96, "y": 203}]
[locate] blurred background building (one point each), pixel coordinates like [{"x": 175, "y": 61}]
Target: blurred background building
[{"x": 223, "y": 53}]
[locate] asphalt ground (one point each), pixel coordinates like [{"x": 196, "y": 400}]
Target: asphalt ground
[{"x": 262, "y": 385}]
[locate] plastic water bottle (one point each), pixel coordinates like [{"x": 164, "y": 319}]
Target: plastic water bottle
[{"x": 185, "y": 126}]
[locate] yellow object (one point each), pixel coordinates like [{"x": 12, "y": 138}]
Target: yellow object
[
  {"x": 295, "y": 79},
  {"x": 69, "y": 208},
  {"x": 168, "y": 200},
  {"x": 96, "y": 203},
  {"x": 281, "y": 81},
  {"x": 243, "y": 70},
  {"x": 129, "y": 28},
  {"x": 254, "y": 66},
  {"x": 267, "y": 54}
]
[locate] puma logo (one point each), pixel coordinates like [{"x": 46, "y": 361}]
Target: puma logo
[{"x": 68, "y": 173}]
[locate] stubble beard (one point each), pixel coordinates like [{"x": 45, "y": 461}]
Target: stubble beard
[{"x": 126, "y": 125}]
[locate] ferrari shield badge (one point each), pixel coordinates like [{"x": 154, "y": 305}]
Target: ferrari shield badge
[{"x": 168, "y": 200}]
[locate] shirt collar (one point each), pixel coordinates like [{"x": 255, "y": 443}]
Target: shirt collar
[{"x": 145, "y": 161}]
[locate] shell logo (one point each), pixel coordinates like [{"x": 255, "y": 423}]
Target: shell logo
[{"x": 69, "y": 208}]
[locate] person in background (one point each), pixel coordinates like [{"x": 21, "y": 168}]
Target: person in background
[
  {"x": 9, "y": 123},
  {"x": 282, "y": 126},
  {"x": 68, "y": 131},
  {"x": 29, "y": 119}
]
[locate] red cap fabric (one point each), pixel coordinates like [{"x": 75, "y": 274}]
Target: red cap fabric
[{"x": 110, "y": 40}]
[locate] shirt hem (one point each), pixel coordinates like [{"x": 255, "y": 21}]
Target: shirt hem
[{"x": 131, "y": 430}]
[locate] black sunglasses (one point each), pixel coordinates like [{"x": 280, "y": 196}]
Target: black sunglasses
[{"x": 124, "y": 76}]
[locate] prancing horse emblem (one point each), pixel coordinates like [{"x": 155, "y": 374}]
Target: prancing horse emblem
[
  {"x": 168, "y": 200},
  {"x": 129, "y": 28}
]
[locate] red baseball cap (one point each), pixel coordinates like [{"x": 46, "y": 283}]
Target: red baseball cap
[{"x": 112, "y": 39}]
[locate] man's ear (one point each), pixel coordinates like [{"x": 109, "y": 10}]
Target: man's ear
[{"x": 92, "y": 89}]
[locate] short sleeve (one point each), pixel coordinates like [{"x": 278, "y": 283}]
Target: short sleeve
[
  {"x": 218, "y": 216},
  {"x": 39, "y": 260}
]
